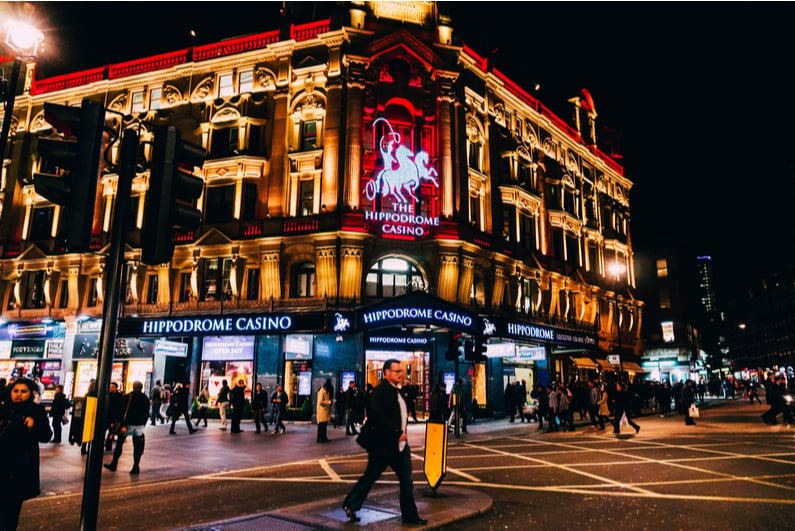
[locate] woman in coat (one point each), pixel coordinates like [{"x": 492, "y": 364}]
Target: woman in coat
[
  {"x": 23, "y": 425},
  {"x": 324, "y": 410},
  {"x": 604, "y": 408}
]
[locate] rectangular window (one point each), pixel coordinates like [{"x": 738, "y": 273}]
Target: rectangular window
[
  {"x": 252, "y": 284},
  {"x": 155, "y": 97},
  {"x": 306, "y": 199},
  {"x": 225, "y": 86},
  {"x": 224, "y": 142},
  {"x": 92, "y": 293},
  {"x": 151, "y": 289},
  {"x": 474, "y": 208},
  {"x": 246, "y": 82},
  {"x": 255, "y": 146},
  {"x": 33, "y": 294},
  {"x": 184, "y": 287},
  {"x": 528, "y": 232},
  {"x": 309, "y": 135},
  {"x": 572, "y": 249},
  {"x": 132, "y": 214},
  {"x": 215, "y": 279},
  {"x": 249, "y": 202},
  {"x": 665, "y": 298},
  {"x": 41, "y": 223},
  {"x": 662, "y": 268},
  {"x": 474, "y": 155},
  {"x": 219, "y": 204},
  {"x": 592, "y": 257},
  {"x": 137, "y": 102},
  {"x": 63, "y": 301}
]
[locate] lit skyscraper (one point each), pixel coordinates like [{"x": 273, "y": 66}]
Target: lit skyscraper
[{"x": 706, "y": 284}]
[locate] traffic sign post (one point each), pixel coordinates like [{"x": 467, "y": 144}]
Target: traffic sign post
[{"x": 435, "y": 465}]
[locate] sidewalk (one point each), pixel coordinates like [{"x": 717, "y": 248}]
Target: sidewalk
[{"x": 380, "y": 511}]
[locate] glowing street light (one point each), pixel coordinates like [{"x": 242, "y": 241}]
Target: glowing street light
[{"x": 23, "y": 40}]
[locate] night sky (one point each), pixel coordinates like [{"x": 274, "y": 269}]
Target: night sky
[{"x": 699, "y": 93}]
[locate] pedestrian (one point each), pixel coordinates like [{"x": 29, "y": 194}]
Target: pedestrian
[
  {"x": 279, "y": 403},
  {"x": 350, "y": 409},
  {"x": 621, "y": 409},
  {"x": 91, "y": 391},
  {"x": 593, "y": 403},
  {"x": 519, "y": 399},
  {"x": 136, "y": 413},
  {"x": 410, "y": 392},
  {"x": 179, "y": 406},
  {"x": 115, "y": 415},
  {"x": 237, "y": 397},
  {"x": 259, "y": 404},
  {"x": 540, "y": 395},
  {"x": 60, "y": 405},
  {"x": 688, "y": 401},
  {"x": 752, "y": 393},
  {"x": 664, "y": 399},
  {"x": 23, "y": 425},
  {"x": 386, "y": 443},
  {"x": 339, "y": 408},
  {"x": 778, "y": 404},
  {"x": 166, "y": 404},
  {"x": 3, "y": 391},
  {"x": 509, "y": 396},
  {"x": 554, "y": 421},
  {"x": 565, "y": 413},
  {"x": 604, "y": 408},
  {"x": 204, "y": 403},
  {"x": 324, "y": 395},
  {"x": 436, "y": 403},
  {"x": 157, "y": 402},
  {"x": 223, "y": 402}
]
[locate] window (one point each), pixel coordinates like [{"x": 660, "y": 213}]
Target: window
[
  {"x": 225, "y": 87},
  {"x": 474, "y": 207},
  {"x": 63, "y": 302},
  {"x": 184, "y": 287},
  {"x": 572, "y": 249},
  {"x": 41, "y": 223},
  {"x": 390, "y": 277},
  {"x": 252, "y": 284},
  {"x": 474, "y": 155},
  {"x": 306, "y": 199},
  {"x": 249, "y": 211},
  {"x": 220, "y": 204},
  {"x": 132, "y": 214},
  {"x": 304, "y": 285},
  {"x": 592, "y": 256},
  {"x": 33, "y": 289},
  {"x": 151, "y": 289},
  {"x": 215, "y": 279},
  {"x": 662, "y": 268},
  {"x": 155, "y": 97},
  {"x": 246, "y": 81},
  {"x": 668, "y": 331},
  {"x": 309, "y": 135},
  {"x": 526, "y": 176},
  {"x": 224, "y": 142},
  {"x": 92, "y": 293},
  {"x": 137, "y": 101},
  {"x": 528, "y": 236},
  {"x": 255, "y": 141}
]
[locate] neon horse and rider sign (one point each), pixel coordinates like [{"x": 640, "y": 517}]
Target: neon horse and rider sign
[{"x": 400, "y": 180}]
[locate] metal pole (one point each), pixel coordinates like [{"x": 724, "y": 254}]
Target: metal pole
[
  {"x": 457, "y": 396},
  {"x": 9, "y": 107},
  {"x": 110, "y": 317},
  {"x": 618, "y": 332}
]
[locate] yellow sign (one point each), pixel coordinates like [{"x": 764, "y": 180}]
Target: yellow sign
[
  {"x": 435, "y": 466},
  {"x": 89, "y": 418}
]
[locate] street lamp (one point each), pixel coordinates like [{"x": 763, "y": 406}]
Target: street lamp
[
  {"x": 617, "y": 269},
  {"x": 23, "y": 40}
]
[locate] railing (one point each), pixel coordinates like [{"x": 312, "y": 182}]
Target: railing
[
  {"x": 234, "y": 46},
  {"x": 148, "y": 64},
  {"x": 68, "y": 80},
  {"x": 309, "y": 31}
]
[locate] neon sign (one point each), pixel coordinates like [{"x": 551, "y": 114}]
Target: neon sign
[{"x": 402, "y": 175}]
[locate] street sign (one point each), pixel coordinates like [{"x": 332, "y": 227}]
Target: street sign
[
  {"x": 435, "y": 466},
  {"x": 613, "y": 359}
]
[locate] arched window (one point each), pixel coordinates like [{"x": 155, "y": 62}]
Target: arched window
[
  {"x": 304, "y": 284},
  {"x": 390, "y": 277}
]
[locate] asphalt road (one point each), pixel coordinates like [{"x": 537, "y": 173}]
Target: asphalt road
[{"x": 730, "y": 471}]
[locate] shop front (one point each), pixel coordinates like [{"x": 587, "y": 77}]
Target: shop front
[{"x": 34, "y": 351}]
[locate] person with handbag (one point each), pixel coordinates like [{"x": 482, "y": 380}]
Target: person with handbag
[
  {"x": 688, "y": 401},
  {"x": 279, "y": 403},
  {"x": 23, "y": 425},
  {"x": 621, "y": 405},
  {"x": 385, "y": 439},
  {"x": 60, "y": 405},
  {"x": 136, "y": 414}
]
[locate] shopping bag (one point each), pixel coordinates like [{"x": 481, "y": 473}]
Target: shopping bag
[
  {"x": 623, "y": 421},
  {"x": 694, "y": 413}
]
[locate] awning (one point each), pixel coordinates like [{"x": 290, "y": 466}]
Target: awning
[
  {"x": 584, "y": 363},
  {"x": 606, "y": 366},
  {"x": 632, "y": 366}
]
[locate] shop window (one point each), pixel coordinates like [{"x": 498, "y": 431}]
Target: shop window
[
  {"x": 306, "y": 197},
  {"x": 224, "y": 142},
  {"x": 215, "y": 279},
  {"x": 137, "y": 99},
  {"x": 390, "y": 277},
  {"x": 298, "y": 354},
  {"x": 33, "y": 289},
  {"x": 245, "y": 81},
  {"x": 63, "y": 291},
  {"x": 304, "y": 285},
  {"x": 151, "y": 289},
  {"x": 252, "y": 284},
  {"x": 155, "y": 98},
  {"x": 184, "y": 287},
  {"x": 91, "y": 301},
  {"x": 41, "y": 222},
  {"x": 220, "y": 204},
  {"x": 225, "y": 85},
  {"x": 309, "y": 130}
]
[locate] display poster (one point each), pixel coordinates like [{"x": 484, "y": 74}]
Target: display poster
[
  {"x": 305, "y": 383},
  {"x": 53, "y": 348},
  {"x": 298, "y": 347},
  {"x": 5, "y": 349},
  {"x": 449, "y": 381},
  {"x": 347, "y": 378},
  {"x": 221, "y": 348},
  {"x": 137, "y": 370}
]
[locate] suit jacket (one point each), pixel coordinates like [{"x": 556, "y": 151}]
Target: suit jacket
[{"x": 383, "y": 418}]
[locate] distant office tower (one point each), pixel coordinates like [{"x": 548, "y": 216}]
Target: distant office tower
[{"x": 706, "y": 284}]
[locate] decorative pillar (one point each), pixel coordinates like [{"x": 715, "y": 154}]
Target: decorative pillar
[
  {"x": 351, "y": 272},
  {"x": 445, "y": 99},
  {"x": 270, "y": 287},
  {"x": 74, "y": 291},
  {"x": 278, "y": 154},
  {"x": 466, "y": 273},
  {"x": 356, "y": 70},
  {"x": 326, "y": 271},
  {"x": 163, "y": 284},
  {"x": 499, "y": 287},
  {"x": 448, "y": 276}
]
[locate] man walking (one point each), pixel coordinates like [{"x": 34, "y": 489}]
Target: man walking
[
  {"x": 387, "y": 421},
  {"x": 180, "y": 402},
  {"x": 135, "y": 416},
  {"x": 238, "y": 399},
  {"x": 223, "y": 402},
  {"x": 157, "y": 402}
]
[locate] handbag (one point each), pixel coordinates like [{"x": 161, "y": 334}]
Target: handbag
[
  {"x": 694, "y": 413},
  {"x": 64, "y": 420},
  {"x": 367, "y": 437}
]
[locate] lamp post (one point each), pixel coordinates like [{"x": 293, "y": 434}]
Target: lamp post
[
  {"x": 617, "y": 269},
  {"x": 23, "y": 40}
]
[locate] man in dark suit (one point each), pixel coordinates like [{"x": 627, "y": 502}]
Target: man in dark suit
[{"x": 387, "y": 419}]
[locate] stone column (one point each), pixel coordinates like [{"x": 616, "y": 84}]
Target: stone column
[
  {"x": 326, "y": 271},
  {"x": 270, "y": 285},
  {"x": 448, "y": 276},
  {"x": 163, "y": 284},
  {"x": 466, "y": 274},
  {"x": 353, "y": 166},
  {"x": 351, "y": 272}
]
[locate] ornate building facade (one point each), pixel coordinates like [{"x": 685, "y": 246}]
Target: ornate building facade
[{"x": 370, "y": 187}]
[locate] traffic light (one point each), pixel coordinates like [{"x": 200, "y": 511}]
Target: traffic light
[
  {"x": 75, "y": 189},
  {"x": 475, "y": 350},
  {"x": 453, "y": 345},
  {"x": 172, "y": 191}
]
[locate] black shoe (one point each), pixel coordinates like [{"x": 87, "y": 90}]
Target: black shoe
[
  {"x": 416, "y": 520},
  {"x": 110, "y": 466},
  {"x": 191, "y": 432},
  {"x": 172, "y": 433},
  {"x": 351, "y": 514},
  {"x": 637, "y": 429},
  {"x": 135, "y": 470}
]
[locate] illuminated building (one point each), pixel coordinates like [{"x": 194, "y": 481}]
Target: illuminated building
[{"x": 362, "y": 165}]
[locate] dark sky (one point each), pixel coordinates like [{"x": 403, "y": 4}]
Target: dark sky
[{"x": 698, "y": 91}]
